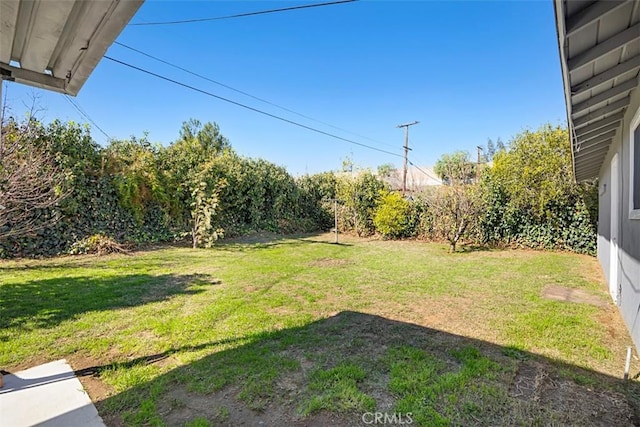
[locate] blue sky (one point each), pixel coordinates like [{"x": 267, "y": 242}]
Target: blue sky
[{"x": 467, "y": 71}]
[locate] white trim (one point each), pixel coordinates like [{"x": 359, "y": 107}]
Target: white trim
[
  {"x": 614, "y": 228},
  {"x": 635, "y": 123}
]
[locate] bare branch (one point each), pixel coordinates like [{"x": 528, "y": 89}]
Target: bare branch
[{"x": 30, "y": 181}]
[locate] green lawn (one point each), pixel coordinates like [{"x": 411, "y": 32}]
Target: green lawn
[{"x": 298, "y": 330}]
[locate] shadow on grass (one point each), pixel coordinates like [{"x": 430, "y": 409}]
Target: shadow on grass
[
  {"x": 476, "y": 248},
  {"x": 48, "y": 302},
  {"x": 334, "y": 370},
  {"x": 270, "y": 240}
]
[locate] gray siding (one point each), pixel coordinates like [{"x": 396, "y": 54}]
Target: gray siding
[
  {"x": 604, "y": 217},
  {"x": 629, "y": 234}
]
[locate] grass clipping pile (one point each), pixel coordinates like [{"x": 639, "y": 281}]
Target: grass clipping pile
[{"x": 99, "y": 244}]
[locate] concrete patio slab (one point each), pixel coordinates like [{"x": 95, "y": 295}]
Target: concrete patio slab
[{"x": 46, "y": 395}]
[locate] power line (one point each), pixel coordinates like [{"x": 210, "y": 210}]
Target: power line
[
  {"x": 193, "y": 73},
  {"x": 151, "y": 73},
  {"x": 241, "y": 15},
  {"x": 85, "y": 115}
]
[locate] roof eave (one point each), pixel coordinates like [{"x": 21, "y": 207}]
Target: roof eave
[{"x": 562, "y": 39}]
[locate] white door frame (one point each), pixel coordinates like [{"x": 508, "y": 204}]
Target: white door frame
[{"x": 614, "y": 230}]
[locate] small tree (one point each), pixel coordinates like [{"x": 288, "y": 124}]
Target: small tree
[
  {"x": 455, "y": 211},
  {"x": 203, "y": 208},
  {"x": 347, "y": 164}
]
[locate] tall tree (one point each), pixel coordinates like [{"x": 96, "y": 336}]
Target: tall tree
[
  {"x": 386, "y": 170},
  {"x": 456, "y": 168},
  {"x": 491, "y": 150},
  {"x": 537, "y": 168}
]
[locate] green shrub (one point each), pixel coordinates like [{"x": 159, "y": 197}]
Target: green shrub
[
  {"x": 140, "y": 192},
  {"x": 393, "y": 217},
  {"x": 530, "y": 199},
  {"x": 359, "y": 195}
]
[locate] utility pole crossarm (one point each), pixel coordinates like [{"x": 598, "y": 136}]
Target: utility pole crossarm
[
  {"x": 406, "y": 153},
  {"x": 408, "y": 124}
]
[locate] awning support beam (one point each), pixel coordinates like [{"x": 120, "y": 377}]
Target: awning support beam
[
  {"x": 601, "y": 49},
  {"x": 586, "y": 137},
  {"x": 600, "y": 112},
  {"x": 582, "y": 154},
  {"x": 607, "y": 75},
  {"x": 585, "y": 145},
  {"x": 43, "y": 80},
  {"x": 604, "y": 96},
  {"x": 599, "y": 124},
  {"x": 591, "y": 14}
]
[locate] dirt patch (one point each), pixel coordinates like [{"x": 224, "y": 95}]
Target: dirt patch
[
  {"x": 224, "y": 409},
  {"x": 96, "y": 388},
  {"x": 87, "y": 371},
  {"x": 540, "y": 390},
  {"x": 613, "y": 323},
  {"x": 26, "y": 364},
  {"x": 560, "y": 293},
  {"x": 329, "y": 262},
  {"x": 524, "y": 383}
]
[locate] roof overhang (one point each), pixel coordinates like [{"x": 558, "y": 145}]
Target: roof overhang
[
  {"x": 599, "y": 44},
  {"x": 57, "y": 44}
]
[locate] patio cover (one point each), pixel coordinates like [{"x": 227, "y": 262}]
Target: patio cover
[
  {"x": 56, "y": 44},
  {"x": 599, "y": 45}
]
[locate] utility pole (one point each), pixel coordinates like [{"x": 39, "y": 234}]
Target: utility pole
[{"x": 406, "y": 153}]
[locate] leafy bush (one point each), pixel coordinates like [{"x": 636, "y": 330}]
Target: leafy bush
[
  {"x": 393, "y": 216},
  {"x": 529, "y": 198},
  {"x": 136, "y": 191},
  {"x": 316, "y": 193},
  {"x": 141, "y": 192},
  {"x": 359, "y": 195}
]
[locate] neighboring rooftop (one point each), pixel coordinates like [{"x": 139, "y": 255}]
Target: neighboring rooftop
[{"x": 418, "y": 177}]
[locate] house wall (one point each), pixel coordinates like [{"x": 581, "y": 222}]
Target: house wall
[{"x": 629, "y": 234}]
